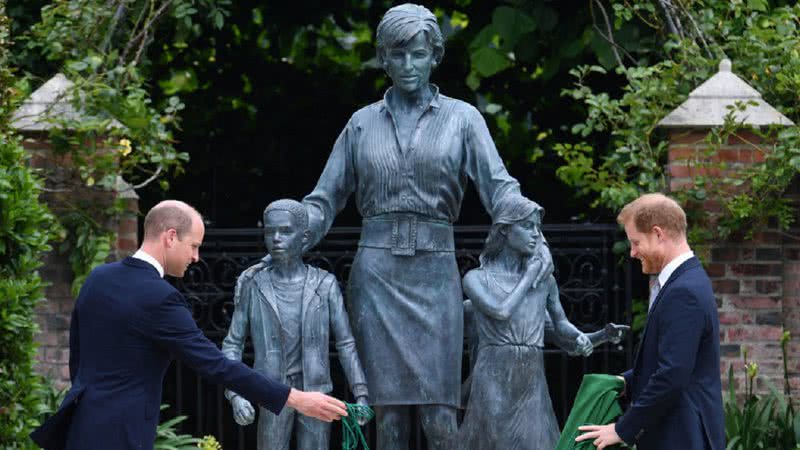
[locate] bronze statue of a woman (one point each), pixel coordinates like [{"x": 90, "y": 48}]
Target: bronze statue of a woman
[{"x": 407, "y": 158}]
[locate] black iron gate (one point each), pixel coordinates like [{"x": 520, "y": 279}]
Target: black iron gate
[{"x": 595, "y": 289}]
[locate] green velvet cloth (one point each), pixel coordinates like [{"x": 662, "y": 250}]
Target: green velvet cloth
[{"x": 595, "y": 404}]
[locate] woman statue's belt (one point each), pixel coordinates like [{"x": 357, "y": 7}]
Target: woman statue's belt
[{"x": 404, "y": 234}]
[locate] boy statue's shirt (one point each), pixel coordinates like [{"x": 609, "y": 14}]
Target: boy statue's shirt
[{"x": 290, "y": 296}]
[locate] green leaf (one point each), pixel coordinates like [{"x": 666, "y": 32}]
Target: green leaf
[
  {"x": 77, "y": 66},
  {"x": 512, "y": 23},
  {"x": 483, "y": 38},
  {"x": 493, "y": 108},
  {"x": 488, "y": 61},
  {"x": 184, "y": 80},
  {"x": 604, "y": 52},
  {"x": 473, "y": 81},
  {"x": 758, "y": 5}
]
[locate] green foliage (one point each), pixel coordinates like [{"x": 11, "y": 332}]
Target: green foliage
[
  {"x": 209, "y": 443},
  {"x": 761, "y": 421},
  {"x": 26, "y": 226},
  {"x": 762, "y": 41},
  {"x": 167, "y": 437},
  {"x": 101, "y": 46},
  {"x": 89, "y": 248}
]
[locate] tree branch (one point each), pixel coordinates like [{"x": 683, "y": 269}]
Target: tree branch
[
  {"x": 142, "y": 35},
  {"x": 698, "y": 31},
  {"x": 610, "y": 36},
  {"x": 671, "y": 28},
  {"x": 112, "y": 27},
  {"x": 149, "y": 180}
]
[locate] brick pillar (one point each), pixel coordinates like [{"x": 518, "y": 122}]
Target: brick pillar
[
  {"x": 749, "y": 276},
  {"x": 791, "y": 293},
  {"x": 54, "y": 312}
]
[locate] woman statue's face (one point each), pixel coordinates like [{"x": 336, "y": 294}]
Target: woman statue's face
[
  {"x": 524, "y": 236},
  {"x": 410, "y": 65}
]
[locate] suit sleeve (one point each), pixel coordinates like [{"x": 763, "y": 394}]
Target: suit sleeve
[
  {"x": 628, "y": 376},
  {"x": 345, "y": 343},
  {"x": 680, "y": 326},
  {"x": 173, "y": 328}
]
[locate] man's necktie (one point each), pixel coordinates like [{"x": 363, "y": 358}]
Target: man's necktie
[{"x": 654, "y": 293}]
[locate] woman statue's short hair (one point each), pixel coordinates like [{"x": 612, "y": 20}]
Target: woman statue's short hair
[{"x": 401, "y": 23}]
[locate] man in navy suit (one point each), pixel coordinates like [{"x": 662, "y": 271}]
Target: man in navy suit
[
  {"x": 674, "y": 386},
  {"x": 127, "y": 326}
]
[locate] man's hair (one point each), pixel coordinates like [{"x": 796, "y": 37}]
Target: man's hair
[
  {"x": 400, "y": 24},
  {"x": 169, "y": 214},
  {"x": 651, "y": 210},
  {"x": 293, "y": 207}
]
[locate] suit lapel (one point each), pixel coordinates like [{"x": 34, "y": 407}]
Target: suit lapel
[{"x": 688, "y": 264}]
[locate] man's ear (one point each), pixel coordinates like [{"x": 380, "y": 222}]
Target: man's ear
[
  {"x": 169, "y": 237},
  {"x": 659, "y": 232},
  {"x": 503, "y": 229},
  {"x": 306, "y": 235}
]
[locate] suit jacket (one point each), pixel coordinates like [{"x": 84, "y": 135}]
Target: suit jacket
[
  {"x": 322, "y": 310},
  {"x": 127, "y": 326},
  {"x": 674, "y": 386}
]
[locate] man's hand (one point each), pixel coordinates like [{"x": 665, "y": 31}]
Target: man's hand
[
  {"x": 363, "y": 402},
  {"x": 243, "y": 412},
  {"x": 316, "y": 405},
  {"x": 603, "y": 435}
]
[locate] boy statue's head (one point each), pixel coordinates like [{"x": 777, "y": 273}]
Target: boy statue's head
[{"x": 285, "y": 229}]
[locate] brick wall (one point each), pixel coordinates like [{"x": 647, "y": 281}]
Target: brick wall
[
  {"x": 755, "y": 280},
  {"x": 54, "y": 312}
]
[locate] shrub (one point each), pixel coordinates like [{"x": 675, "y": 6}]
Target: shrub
[
  {"x": 761, "y": 421},
  {"x": 26, "y": 226}
]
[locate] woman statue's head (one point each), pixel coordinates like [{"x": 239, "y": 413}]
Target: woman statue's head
[
  {"x": 409, "y": 45},
  {"x": 517, "y": 225}
]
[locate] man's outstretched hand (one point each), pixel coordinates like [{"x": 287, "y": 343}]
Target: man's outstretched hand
[
  {"x": 603, "y": 435},
  {"x": 316, "y": 405}
]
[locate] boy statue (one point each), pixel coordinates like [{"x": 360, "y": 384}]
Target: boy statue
[{"x": 289, "y": 310}]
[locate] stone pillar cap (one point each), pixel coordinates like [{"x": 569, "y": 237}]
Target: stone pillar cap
[
  {"x": 124, "y": 189},
  {"x": 709, "y": 103},
  {"x": 49, "y": 104}
]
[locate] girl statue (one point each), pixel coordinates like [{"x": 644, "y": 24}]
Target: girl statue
[{"x": 509, "y": 405}]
